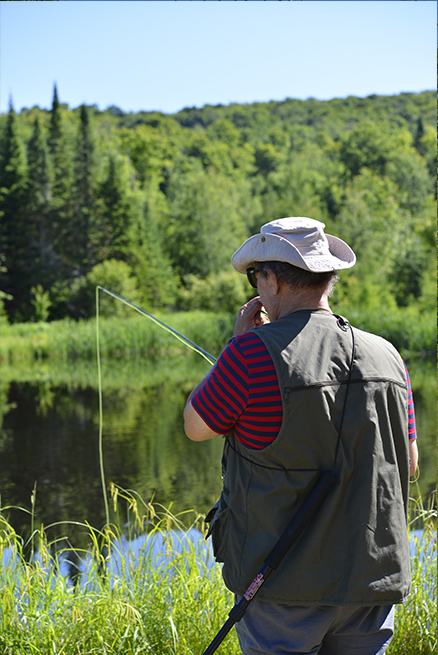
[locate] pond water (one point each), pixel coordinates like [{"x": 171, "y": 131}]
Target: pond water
[
  {"x": 49, "y": 426},
  {"x": 160, "y": 551}
]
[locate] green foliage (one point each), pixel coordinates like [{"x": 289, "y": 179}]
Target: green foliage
[
  {"x": 133, "y": 336},
  {"x": 83, "y": 235},
  {"x": 221, "y": 293},
  {"x": 411, "y": 332},
  {"x": 3, "y": 313},
  {"x": 204, "y": 227},
  {"x": 111, "y": 274},
  {"x": 173, "y": 196},
  {"x": 41, "y": 303},
  {"x": 113, "y": 238},
  {"x": 157, "y": 281},
  {"x": 372, "y": 146},
  {"x": 3, "y": 296},
  {"x": 163, "y": 596},
  {"x": 416, "y": 620},
  {"x": 15, "y": 234}
]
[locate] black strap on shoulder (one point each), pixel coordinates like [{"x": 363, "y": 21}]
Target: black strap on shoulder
[{"x": 345, "y": 325}]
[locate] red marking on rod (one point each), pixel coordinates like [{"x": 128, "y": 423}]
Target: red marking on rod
[{"x": 254, "y": 587}]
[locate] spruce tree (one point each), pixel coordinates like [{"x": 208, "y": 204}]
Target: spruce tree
[
  {"x": 16, "y": 232},
  {"x": 82, "y": 232},
  {"x": 118, "y": 212},
  {"x": 59, "y": 224},
  {"x": 157, "y": 282},
  {"x": 62, "y": 168},
  {"x": 39, "y": 191}
]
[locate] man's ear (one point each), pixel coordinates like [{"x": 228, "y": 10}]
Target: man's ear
[{"x": 273, "y": 283}]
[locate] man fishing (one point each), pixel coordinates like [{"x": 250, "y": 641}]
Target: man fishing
[{"x": 298, "y": 395}]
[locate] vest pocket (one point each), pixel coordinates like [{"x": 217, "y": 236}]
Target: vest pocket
[{"x": 218, "y": 520}]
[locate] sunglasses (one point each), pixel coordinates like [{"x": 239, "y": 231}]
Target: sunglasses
[{"x": 251, "y": 275}]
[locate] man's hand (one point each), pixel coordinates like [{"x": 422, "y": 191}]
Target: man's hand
[
  {"x": 413, "y": 456},
  {"x": 250, "y": 315}
]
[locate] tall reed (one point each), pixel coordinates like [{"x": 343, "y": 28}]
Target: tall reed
[
  {"x": 416, "y": 620},
  {"x": 150, "y": 588},
  {"x": 163, "y": 597}
]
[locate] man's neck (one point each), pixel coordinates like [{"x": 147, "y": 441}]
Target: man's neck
[{"x": 296, "y": 301}]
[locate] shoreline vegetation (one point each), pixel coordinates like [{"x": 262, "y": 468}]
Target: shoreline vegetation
[
  {"x": 411, "y": 332},
  {"x": 153, "y": 588},
  {"x": 146, "y": 604}
]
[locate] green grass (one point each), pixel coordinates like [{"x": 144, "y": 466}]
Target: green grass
[
  {"x": 148, "y": 606},
  {"x": 416, "y": 620},
  {"x": 137, "y": 336},
  {"x": 152, "y": 607},
  {"x": 413, "y": 333}
]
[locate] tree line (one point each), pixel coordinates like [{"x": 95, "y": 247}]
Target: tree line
[{"x": 152, "y": 205}]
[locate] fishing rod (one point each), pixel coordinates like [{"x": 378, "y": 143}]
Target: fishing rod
[
  {"x": 302, "y": 518},
  {"x": 210, "y": 359}
]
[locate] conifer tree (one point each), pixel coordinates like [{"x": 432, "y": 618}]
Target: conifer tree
[
  {"x": 58, "y": 225},
  {"x": 157, "y": 282},
  {"x": 116, "y": 212},
  {"x": 59, "y": 152},
  {"x": 129, "y": 232},
  {"x": 16, "y": 233},
  {"x": 45, "y": 260},
  {"x": 82, "y": 233}
]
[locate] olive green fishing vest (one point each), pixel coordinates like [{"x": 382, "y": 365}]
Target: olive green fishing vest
[{"x": 355, "y": 551}]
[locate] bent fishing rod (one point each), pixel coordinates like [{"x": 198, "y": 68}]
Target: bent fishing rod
[
  {"x": 302, "y": 518},
  {"x": 210, "y": 359}
]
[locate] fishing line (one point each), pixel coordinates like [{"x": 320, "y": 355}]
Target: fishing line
[
  {"x": 210, "y": 359},
  {"x": 99, "y": 376}
]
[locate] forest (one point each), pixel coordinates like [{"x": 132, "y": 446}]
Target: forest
[{"x": 152, "y": 205}]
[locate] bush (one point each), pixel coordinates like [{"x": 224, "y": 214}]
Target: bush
[
  {"x": 113, "y": 275},
  {"x": 221, "y": 293},
  {"x": 41, "y": 303}
]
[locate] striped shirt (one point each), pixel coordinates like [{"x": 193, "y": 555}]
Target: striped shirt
[{"x": 242, "y": 393}]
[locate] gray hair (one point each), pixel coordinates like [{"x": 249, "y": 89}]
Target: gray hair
[{"x": 299, "y": 278}]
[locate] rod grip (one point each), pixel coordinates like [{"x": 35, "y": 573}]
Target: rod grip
[{"x": 304, "y": 515}]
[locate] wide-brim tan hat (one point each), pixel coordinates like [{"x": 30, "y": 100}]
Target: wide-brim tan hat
[{"x": 297, "y": 240}]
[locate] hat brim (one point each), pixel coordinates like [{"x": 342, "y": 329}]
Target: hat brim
[{"x": 273, "y": 247}]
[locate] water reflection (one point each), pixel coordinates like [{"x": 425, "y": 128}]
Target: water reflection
[{"x": 49, "y": 436}]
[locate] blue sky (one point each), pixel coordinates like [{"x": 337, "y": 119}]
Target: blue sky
[{"x": 170, "y": 55}]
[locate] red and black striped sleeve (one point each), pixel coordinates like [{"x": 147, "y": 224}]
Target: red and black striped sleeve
[
  {"x": 242, "y": 393},
  {"x": 412, "y": 429}
]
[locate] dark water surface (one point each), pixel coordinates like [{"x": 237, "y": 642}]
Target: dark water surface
[{"x": 49, "y": 426}]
